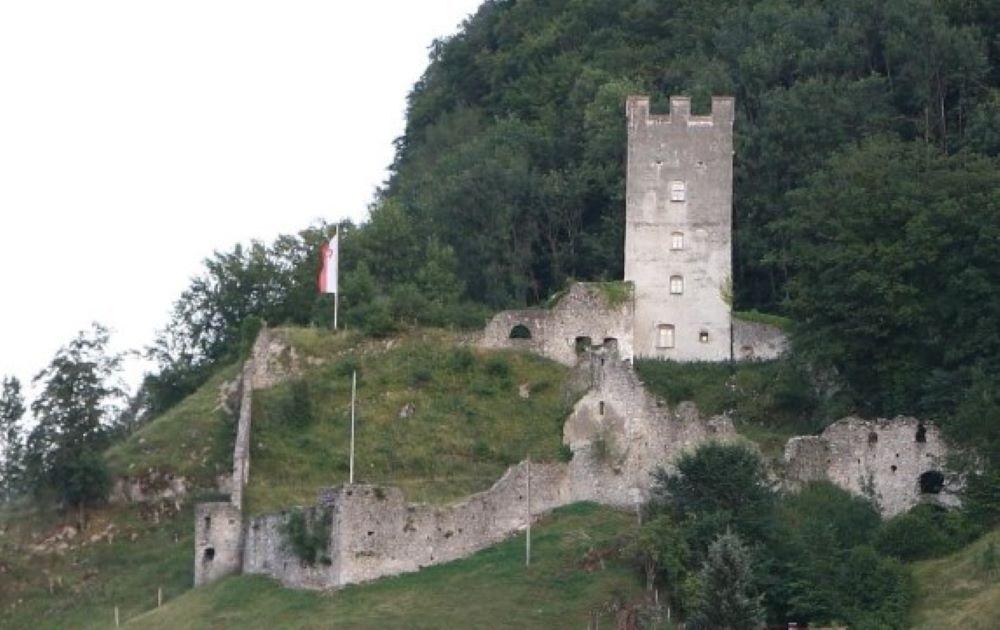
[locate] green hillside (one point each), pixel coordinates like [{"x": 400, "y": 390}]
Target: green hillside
[
  {"x": 434, "y": 417},
  {"x": 961, "y": 590}
]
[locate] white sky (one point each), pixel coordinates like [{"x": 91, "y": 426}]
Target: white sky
[{"x": 137, "y": 136}]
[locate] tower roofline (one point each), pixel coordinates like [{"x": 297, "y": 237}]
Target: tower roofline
[{"x": 637, "y": 110}]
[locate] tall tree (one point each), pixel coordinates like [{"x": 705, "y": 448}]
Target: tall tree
[
  {"x": 79, "y": 398},
  {"x": 11, "y": 411},
  {"x": 727, "y": 600}
]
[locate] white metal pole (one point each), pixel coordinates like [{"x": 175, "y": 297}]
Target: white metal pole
[
  {"x": 354, "y": 393},
  {"x": 527, "y": 540},
  {"x": 336, "y": 303}
]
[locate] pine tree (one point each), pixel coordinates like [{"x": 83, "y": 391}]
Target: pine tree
[{"x": 727, "y": 600}]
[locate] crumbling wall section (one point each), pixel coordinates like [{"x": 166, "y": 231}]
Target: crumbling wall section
[
  {"x": 268, "y": 551},
  {"x": 586, "y": 312},
  {"x": 756, "y": 341},
  {"x": 885, "y": 460},
  {"x": 619, "y": 434},
  {"x": 218, "y": 542}
]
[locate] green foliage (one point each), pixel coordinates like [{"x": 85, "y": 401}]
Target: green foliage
[
  {"x": 11, "y": 440},
  {"x": 726, "y": 598},
  {"x": 78, "y": 403},
  {"x": 926, "y": 531},
  {"x": 764, "y": 318},
  {"x": 615, "y": 293},
  {"x": 660, "y": 551},
  {"x": 879, "y": 293},
  {"x": 290, "y": 406},
  {"x": 307, "y": 534}
]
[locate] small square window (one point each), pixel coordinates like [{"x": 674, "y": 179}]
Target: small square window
[
  {"x": 678, "y": 191},
  {"x": 677, "y": 240},
  {"x": 703, "y": 336},
  {"x": 676, "y": 285}
]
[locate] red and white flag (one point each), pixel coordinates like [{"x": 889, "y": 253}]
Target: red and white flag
[{"x": 329, "y": 256}]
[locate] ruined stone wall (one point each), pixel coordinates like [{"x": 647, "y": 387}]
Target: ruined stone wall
[
  {"x": 619, "y": 434},
  {"x": 375, "y": 533},
  {"x": 584, "y": 311},
  {"x": 755, "y": 341},
  {"x": 680, "y": 182},
  {"x": 218, "y": 542},
  {"x": 881, "y": 459}
]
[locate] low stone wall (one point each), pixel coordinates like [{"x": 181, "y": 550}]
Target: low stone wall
[
  {"x": 583, "y": 312},
  {"x": 755, "y": 341},
  {"x": 885, "y": 460},
  {"x": 152, "y": 487}
]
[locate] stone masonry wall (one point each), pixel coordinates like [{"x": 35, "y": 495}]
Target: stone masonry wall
[
  {"x": 218, "y": 536},
  {"x": 755, "y": 341},
  {"x": 620, "y": 433},
  {"x": 881, "y": 459},
  {"x": 584, "y": 311}
]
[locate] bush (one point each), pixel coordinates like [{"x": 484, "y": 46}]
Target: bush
[
  {"x": 926, "y": 531},
  {"x": 307, "y": 534}
]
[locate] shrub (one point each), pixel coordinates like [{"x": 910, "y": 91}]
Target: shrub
[
  {"x": 498, "y": 367},
  {"x": 307, "y": 535},
  {"x": 926, "y": 531}
]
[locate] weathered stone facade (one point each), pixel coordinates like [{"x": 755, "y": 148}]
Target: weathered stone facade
[
  {"x": 897, "y": 463},
  {"x": 218, "y": 539},
  {"x": 678, "y": 229},
  {"x": 585, "y": 316},
  {"x": 756, "y": 341}
]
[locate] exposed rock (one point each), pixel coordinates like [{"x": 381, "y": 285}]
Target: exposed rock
[
  {"x": 524, "y": 390},
  {"x": 407, "y": 411}
]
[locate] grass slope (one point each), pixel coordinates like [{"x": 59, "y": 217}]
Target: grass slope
[
  {"x": 193, "y": 439},
  {"x": 961, "y": 590},
  {"x": 576, "y": 568},
  {"x": 438, "y": 419}
]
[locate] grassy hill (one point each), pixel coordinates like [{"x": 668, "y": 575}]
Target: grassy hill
[{"x": 961, "y": 590}]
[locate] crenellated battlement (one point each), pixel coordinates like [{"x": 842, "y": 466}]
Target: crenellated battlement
[{"x": 637, "y": 111}]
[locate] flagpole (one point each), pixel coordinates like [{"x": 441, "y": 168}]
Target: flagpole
[
  {"x": 336, "y": 300},
  {"x": 354, "y": 393}
]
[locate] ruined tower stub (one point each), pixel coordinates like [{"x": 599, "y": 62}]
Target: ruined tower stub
[{"x": 678, "y": 228}]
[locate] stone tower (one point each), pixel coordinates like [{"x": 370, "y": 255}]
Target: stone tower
[{"x": 678, "y": 229}]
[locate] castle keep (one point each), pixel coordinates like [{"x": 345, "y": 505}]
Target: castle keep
[{"x": 678, "y": 229}]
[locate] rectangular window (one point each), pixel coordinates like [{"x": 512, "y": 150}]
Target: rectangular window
[
  {"x": 678, "y": 191},
  {"x": 677, "y": 240},
  {"x": 665, "y": 336},
  {"x": 676, "y": 285}
]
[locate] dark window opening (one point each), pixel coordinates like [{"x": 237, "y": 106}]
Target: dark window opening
[
  {"x": 921, "y": 433},
  {"x": 611, "y": 344},
  {"x": 209, "y": 554},
  {"x": 931, "y": 482},
  {"x": 872, "y": 438},
  {"x": 583, "y": 344},
  {"x": 703, "y": 336},
  {"x": 893, "y": 468},
  {"x": 520, "y": 332},
  {"x": 208, "y": 522},
  {"x": 601, "y": 407}
]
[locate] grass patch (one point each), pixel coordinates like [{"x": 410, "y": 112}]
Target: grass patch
[
  {"x": 777, "y": 321},
  {"x": 439, "y": 420},
  {"x": 769, "y": 401},
  {"x": 491, "y": 588},
  {"x": 616, "y": 293},
  {"x": 194, "y": 438},
  {"x": 961, "y": 590},
  {"x": 87, "y": 582}
]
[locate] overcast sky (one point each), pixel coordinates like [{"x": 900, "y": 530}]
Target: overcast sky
[{"x": 138, "y": 136}]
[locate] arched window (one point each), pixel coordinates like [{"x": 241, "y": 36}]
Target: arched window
[
  {"x": 677, "y": 240},
  {"x": 931, "y": 482},
  {"x": 665, "y": 336},
  {"x": 520, "y": 332},
  {"x": 676, "y": 285}
]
